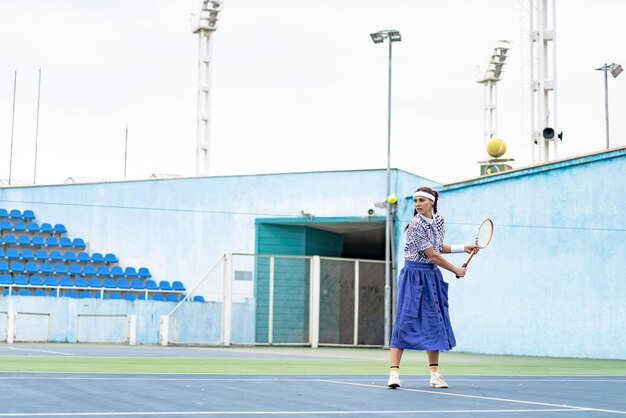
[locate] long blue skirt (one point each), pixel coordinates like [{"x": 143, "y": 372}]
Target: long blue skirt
[{"x": 422, "y": 319}]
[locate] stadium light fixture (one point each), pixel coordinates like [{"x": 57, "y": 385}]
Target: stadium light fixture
[
  {"x": 615, "y": 69},
  {"x": 378, "y": 37}
]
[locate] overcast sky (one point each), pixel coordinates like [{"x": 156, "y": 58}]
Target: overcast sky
[{"x": 297, "y": 85}]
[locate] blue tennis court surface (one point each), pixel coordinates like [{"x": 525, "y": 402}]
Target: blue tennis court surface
[{"x": 139, "y": 395}]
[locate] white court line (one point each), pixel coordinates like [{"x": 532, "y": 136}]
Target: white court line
[
  {"x": 39, "y": 351},
  {"x": 489, "y": 398},
  {"x": 448, "y": 411}
]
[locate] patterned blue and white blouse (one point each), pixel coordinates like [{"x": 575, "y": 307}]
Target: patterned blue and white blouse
[{"x": 421, "y": 234}]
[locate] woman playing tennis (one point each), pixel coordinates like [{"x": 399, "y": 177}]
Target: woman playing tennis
[{"x": 422, "y": 320}]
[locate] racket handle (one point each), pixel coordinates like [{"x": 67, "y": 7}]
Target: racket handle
[{"x": 467, "y": 261}]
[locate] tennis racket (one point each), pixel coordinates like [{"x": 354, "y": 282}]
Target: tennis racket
[{"x": 484, "y": 233}]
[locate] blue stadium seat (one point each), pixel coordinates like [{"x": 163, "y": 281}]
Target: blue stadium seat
[
  {"x": 28, "y": 215},
  {"x": 46, "y": 268},
  {"x": 53, "y": 293},
  {"x": 31, "y": 267},
  {"x": 130, "y": 296},
  {"x": 23, "y": 240},
  {"x": 123, "y": 284},
  {"x": 55, "y": 255},
  {"x": 46, "y": 228},
  {"x": 94, "y": 282},
  {"x": 117, "y": 271},
  {"x": 115, "y": 295},
  {"x": 198, "y": 298},
  {"x": 15, "y": 214},
  {"x": 3, "y": 213},
  {"x": 5, "y": 226},
  {"x": 110, "y": 258},
  {"x": 2, "y": 254},
  {"x": 157, "y": 296},
  {"x": 65, "y": 281},
  {"x": 37, "y": 241},
  {"x": 97, "y": 258},
  {"x": 6, "y": 292},
  {"x": 75, "y": 270},
  {"x": 80, "y": 282},
  {"x": 52, "y": 242},
  {"x": 78, "y": 243},
  {"x": 59, "y": 229},
  {"x": 70, "y": 294},
  {"x": 60, "y": 268},
  {"x": 19, "y": 226},
  {"x": 109, "y": 283},
  {"x": 24, "y": 292},
  {"x": 9, "y": 239},
  {"x": 50, "y": 281},
  {"x": 16, "y": 267},
  {"x": 177, "y": 285},
  {"x": 165, "y": 285},
  {"x": 36, "y": 280},
  {"x": 89, "y": 270},
  {"x": 5, "y": 279},
  {"x": 171, "y": 298},
  {"x": 27, "y": 254},
  {"x": 41, "y": 255},
  {"x": 141, "y": 296},
  {"x": 20, "y": 280},
  {"x": 137, "y": 284},
  {"x": 97, "y": 295},
  {"x": 33, "y": 227},
  {"x": 151, "y": 285},
  {"x": 40, "y": 292},
  {"x": 85, "y": 294},
  {"x": 130, "y": 272},
  {"x": 4, "y": 266},
  {"x": 103, "y": 271},
  {"x": 65, "y": 242},
  {"x": 144, "y": 273},
  {"x": 69, "y": 256},
  {"x": 13, "y": 254},
  {"x": 83, "y": 257}
]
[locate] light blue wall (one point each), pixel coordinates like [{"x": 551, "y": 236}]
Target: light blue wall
[
  {"x": 551, "y": 282},
  {"x": 180, "y": 227}
]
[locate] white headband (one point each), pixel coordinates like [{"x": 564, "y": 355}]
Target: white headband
[{"x": 424, "y": 194}]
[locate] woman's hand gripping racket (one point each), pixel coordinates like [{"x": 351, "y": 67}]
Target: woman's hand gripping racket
[{"x": 484, "y": 233}]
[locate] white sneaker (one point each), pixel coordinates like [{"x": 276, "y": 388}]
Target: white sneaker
[
  {"x": 394, "y": 379},
  {"x": 438, "y": 382}
]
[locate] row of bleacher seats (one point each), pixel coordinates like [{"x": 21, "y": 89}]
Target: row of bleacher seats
[
  {"x": 32, "y": 267},
  {"x": 86, "y": 294},
  {"x": 89, "y": 282},
  {"x": 30, "y": 264},
  {"x": 32, "y": 227},
  {"x": 81, "y": 257},
  {"x": 17, "y": 214},
  {"x": 41, "y": 241}
]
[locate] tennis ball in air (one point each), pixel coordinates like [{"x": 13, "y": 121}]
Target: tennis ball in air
[
  {"x": 392, "y": 199},
  {"x": 496, "y": 147}
]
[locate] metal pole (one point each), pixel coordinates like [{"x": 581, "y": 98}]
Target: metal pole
[
  {"x": 37, "y": 127},
  {"x": 388, "y": 217},
  {"x": 606, "y": 102},
  {"x": 125, "y": 151},
  {"x": 12, "y": 127}
]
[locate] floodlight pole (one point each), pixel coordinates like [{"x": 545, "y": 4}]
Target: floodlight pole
[
  {"x": 206, "y": 25},
  {"x": 379, "y": 37},
  {"x": 606, "y": 102},
  {"x": 616, "y": 70}
]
